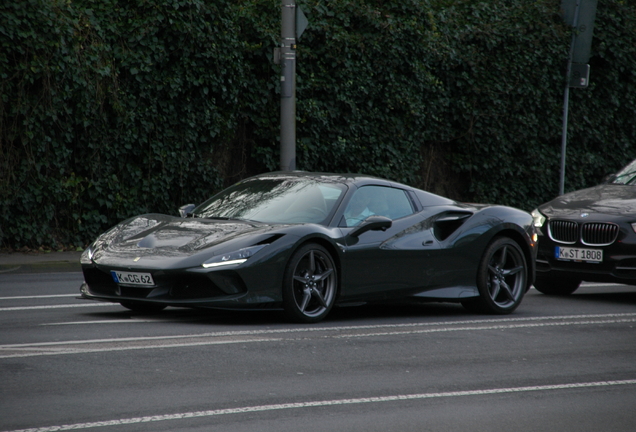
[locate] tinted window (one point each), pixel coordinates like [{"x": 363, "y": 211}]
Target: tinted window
[
  {"x": 274, "y": 200},
  {"x": 376, "y": 200}
]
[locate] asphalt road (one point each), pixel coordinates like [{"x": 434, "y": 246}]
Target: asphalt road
[{"x": 556, "y": 364}]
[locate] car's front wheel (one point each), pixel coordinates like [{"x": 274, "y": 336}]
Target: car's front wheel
[
  {"x": 310, "y": 284},
  {"x": 501, "y": 278},
  {"x": 556, "y": 285}
]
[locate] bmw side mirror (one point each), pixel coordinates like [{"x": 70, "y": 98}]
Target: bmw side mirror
[
  {"x": 609, "y": 179},
  {"x": 186, "y": 210},
  {"x": 372, "y": 223}
]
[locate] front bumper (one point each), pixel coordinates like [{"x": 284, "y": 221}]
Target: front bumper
[
  {"x": 618, "y": 266},
  {"x": 194, "y": 287}
]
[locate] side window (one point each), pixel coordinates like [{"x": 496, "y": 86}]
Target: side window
[{"x": 376, "y": 201}]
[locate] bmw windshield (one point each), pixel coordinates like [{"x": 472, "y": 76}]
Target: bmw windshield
[{"x": 627, "y": 175}]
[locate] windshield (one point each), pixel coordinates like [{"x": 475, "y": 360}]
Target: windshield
[
  {"x": 275, "y": 200},
  {"x": 627, "y": 175}
]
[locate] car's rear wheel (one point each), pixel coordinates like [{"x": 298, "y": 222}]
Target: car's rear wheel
[
  {"x": 501, "y": 278},
  {"x": 556, "y": 285},
  {"x": 310, "y": 285},
  {"x": 142, "y": 307}
]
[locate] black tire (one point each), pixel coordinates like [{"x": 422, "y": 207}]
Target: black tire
[
  {"x": 310, "y": 284},
  {"x": 142, "y": 307},
  {"x": 557, "y": 286},
  {"x": 502, "y": 278}
]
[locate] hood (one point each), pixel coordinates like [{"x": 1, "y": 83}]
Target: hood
[
  {"x": 162, "y": 235},
  {"x": 610, "y": 199}
]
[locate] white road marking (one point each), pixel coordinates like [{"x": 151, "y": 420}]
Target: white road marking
[
  {"x": 117, "y": 321},
  {"x": 250, "y": 336},
  {"x": 325, "y": 403},
  {"x": 498, "y": 327},
  {"x": 38, "y": 296},
  {"x": 136, "y": 347},
  {"x": 313, "y": 329},
  {"x": 62, "y": 306}
]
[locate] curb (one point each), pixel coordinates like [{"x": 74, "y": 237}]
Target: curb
[{"x": 54, "y": 262}]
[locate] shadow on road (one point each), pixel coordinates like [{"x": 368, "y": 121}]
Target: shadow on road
[
  {"x": 606, "y": 297},
  {"x": 357, "y": 315},
  {"x": 592, "y": 297}
]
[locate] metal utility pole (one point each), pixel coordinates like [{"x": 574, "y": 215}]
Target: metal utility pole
[
  {"x": 288, "y": 86},
  {"x": 566, "y": 102},
  {"x": 580, "y": 14}
]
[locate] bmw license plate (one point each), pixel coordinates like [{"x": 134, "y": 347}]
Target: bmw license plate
[
  {"x": 578, "y": 254},
  {"x": 129, "y": 278}
]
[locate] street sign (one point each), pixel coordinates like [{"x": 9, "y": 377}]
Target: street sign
[
  {"x": 580, "y": 75},
  {"x": 583, "y": 24},
  {"x": 301, "y": 22}
]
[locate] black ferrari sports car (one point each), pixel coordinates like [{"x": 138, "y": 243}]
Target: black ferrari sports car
[
  {"x": 304, "y": 242},
  {"x": 588, "y": 235}
]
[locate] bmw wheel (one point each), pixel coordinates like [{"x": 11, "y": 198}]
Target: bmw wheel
[
  {"x": 310, "y": 284},
  {"x": 501, "y": 278}
]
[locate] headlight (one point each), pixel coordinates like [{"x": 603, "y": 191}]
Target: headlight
[
  {"x": 87, "y": 256},
  {"x": 236, "y": 257},
  {"x": 538, "y": 218},
  {"x": 634, "y": 226}
]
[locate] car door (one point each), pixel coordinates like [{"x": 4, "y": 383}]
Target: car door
[{"x": 383, "y": 263}]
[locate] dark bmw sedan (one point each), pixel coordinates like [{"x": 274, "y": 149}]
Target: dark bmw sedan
[{"x": 588, "y": 235}]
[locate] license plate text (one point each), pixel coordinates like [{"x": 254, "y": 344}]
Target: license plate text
[
  {"x": 578, "y": 254},
  {"x": 129, "y": 278}
]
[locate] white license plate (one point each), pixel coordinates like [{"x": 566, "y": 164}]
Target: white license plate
[
  {"x": 578, "y": 254},
  {"x": 129, "y": 278}
]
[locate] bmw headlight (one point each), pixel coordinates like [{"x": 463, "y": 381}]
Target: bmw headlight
[
  {"x": 236, "y": 257},
  {"x": 538, "y": 218}
]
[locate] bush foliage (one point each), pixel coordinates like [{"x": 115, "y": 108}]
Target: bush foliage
[{"x": 111, "y": 108}]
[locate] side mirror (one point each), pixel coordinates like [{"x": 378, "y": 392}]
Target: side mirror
[
  {"x": 609, "y": 179},
  {"x": 186, "y": 210},
  {"x": 372, "y": 223}
]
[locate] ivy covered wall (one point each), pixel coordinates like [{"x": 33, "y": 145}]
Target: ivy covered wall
[{"x": 111, "y": 108}]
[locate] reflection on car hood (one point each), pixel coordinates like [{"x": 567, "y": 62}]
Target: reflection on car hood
[
  {"x": 618, "y": 200},
  {"x": 155, "y": 233}
]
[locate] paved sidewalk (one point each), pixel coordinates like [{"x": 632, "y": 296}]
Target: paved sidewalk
[{"x": 19, "y": 262}]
